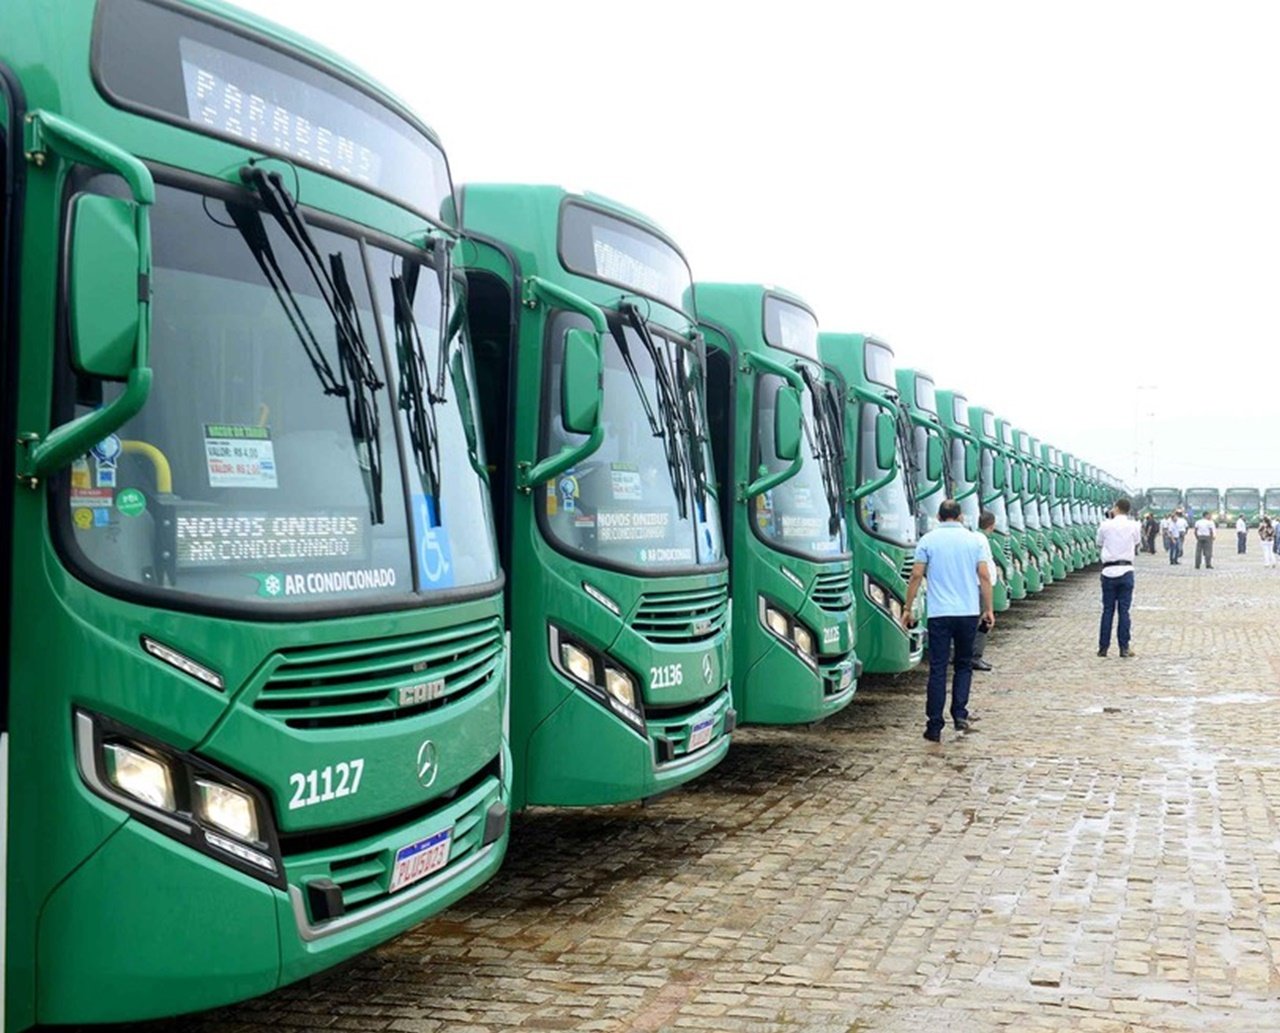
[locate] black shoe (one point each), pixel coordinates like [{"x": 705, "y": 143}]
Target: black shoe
[
  {"x": 964, "y": 725},
  {"x": 1127, "y": 652},
  {"x": 1102, "y": 652},
  {"x": 933, "y": 736},
  {"x": 981, "y": 665}
]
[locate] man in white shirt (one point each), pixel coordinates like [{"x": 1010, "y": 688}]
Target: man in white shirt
[
  {"x": 1205, "y": 531},
  {"x": 1177, "y": 531},
  {"x": 1118, "y": 538},
  {"x": 1242, "y": 535}
]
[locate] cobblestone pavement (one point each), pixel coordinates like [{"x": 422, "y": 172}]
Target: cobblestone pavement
[{"x": 1102, "y": 855}]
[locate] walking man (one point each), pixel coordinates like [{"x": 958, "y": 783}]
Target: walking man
[
  {"x": 1242, "y": 535},
  {"x": 1205, "y": 532},
  {"x": 959, "y": 592},
  {"x": 1118, "y": 538},
  {"x": 986, "y": 525},
  {"x": 1177, "y": 532}
]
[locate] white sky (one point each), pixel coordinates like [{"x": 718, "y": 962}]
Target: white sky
[{"x": 1070, "y": 211}]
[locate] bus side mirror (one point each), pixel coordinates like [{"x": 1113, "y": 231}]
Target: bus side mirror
[
  {"x": 103, "y": 287},
  {"x": 998, "y": 474},
  {"x": 787, "y": 420},
  {"x": 581, "y": 375},
  {"x": 886, "y": 440},
  {"x": 970, "y": 461},
  {"x": 933, "y": 459}
]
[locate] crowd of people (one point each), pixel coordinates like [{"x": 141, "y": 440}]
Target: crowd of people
[{"x": 1174, "y": 530}]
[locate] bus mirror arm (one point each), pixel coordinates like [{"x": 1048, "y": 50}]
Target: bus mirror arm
[
  {"x": 111, "y": 262},
  {"x": 767, "y": 482}
]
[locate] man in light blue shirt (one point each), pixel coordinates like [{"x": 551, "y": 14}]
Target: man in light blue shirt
[{"x": 959, "y": 590}]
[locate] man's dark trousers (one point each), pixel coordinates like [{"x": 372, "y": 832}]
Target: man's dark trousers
[
  {"x": 1204, "y": 548},
  {"x": 944, "y": 632},
  {"x": 1117, "y": 594},
  {"x": 1242, "y": 539}
]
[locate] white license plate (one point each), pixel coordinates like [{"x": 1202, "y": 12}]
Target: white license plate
[
  {"x": 701, "y": 734},
  {"x": 418, "y": 860}
]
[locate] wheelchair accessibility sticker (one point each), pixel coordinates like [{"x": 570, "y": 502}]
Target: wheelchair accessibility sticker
[{"x": 431, "y": 540}]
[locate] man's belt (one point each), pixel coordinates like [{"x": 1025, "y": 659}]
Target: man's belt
[{"x": 1117, "y": 563}]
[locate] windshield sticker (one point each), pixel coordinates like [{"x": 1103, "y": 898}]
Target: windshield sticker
[
  {"x": 585, "y": 520},
  {"x": 802, "y": 498},
  {"x": 131, "y": 502},
  {"x": 626, "y": 483},
  {"x": 239, "y": 456},
  {"x": 215, "y": 541},
  {"x": 568, "y": 490},
  {"x": 83, "y": 518},
  {"x": 93, "y": 498},
  {"x": 106, "y": 453},
  {"x": 615, "y": 526},
  {"x": 80, "y": 474},
  {"x": 278, "y": 585},
  {"x": 803, "y": 527},
  {"x": 435, "y": 566},
  {"x": 764, "y": 512},
  {"x": 666, "y": 555}
]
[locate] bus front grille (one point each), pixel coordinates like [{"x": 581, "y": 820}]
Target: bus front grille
[
  {"x": 907, "y": 564},
  {"x": 692, "y": 615},
  {"x": 833, "y": 591},
  {"x": 362, "y": 683}
]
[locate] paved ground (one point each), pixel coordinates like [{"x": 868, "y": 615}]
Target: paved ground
[{"x": 1103, "y": 855}]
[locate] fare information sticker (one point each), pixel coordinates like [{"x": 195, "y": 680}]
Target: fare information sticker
[
  {"x": 418, "y": 860},
  {"x": 239, "y": 456}
]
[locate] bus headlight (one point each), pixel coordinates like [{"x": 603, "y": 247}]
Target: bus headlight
[
  {"x": 139, "y": 774},
  {"x": 228, "y": 809},
  {"x": 577, "y": 662},
  {"x": 895, "y": 608},
  {"x": 620, "y": 686},
  {"x": 803, "y": 639},
  {"x": 877, "y": 595},
  {"x": 776, "y": 621}
]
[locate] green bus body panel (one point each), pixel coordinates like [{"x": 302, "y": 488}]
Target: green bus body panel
[
  {"x": 106, "y": 918},
  {"x": 570, "y": 749},
  {"x": 772, "y": 684},
  {"x": 883, "y": 645}
]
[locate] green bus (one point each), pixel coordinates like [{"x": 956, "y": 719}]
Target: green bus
[
  {"x": 1019, "y": 494},
  {"x": 256, "y": 679},
  {"x": 1053, "y": 541},
  {"x": 776, "y": 437},
  {"x": 880, "y": 502},
  {"x": 1242, "y": 502},
  {"x": 997, "y": 494},
  {"x": 1271, "y": 503},
  {"x": 591, "y": 382},
  {"x": 1038, "y": 527},
  {"x": 961, "y": 464},
  {"x": 1163, "y": 501},
  {"x": 918, "y": 403},
  {"x": 1073, "y": 496},
  {"x": 1202, "y": 502}
]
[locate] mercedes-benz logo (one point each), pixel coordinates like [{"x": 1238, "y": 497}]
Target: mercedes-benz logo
[
  {"x": 708, "y": 671},
  {"x": 427, "y": 766}
]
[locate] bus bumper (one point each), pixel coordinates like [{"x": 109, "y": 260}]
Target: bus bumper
[
  {"x": 783, "y": 690},
  {"x": 883, "y": 645}
]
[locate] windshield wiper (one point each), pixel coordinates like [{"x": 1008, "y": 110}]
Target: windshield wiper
[
  {"x": 902, "y": 425},
  {"x": 357, "y": 381},
  {"x": 690, "y": 394},
  {"x": 415, "y": 399},
  {"x": 675, "y": 433},
  {"x": 822, "y": 444}
]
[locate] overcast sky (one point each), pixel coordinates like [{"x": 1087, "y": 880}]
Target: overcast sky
[{"x": 1070, "y": 211}]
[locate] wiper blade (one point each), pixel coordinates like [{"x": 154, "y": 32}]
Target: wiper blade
[
  {"x": 359, "y": 382},
  {"x": 822, "y": 444},
  {"x": 668, "y": 409},
  {"x": 415, "y": 398}
]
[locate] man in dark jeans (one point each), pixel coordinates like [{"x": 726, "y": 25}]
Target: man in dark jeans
[
  {"x": 959, "y": 590},
  {"x": 1118, "y": 538}
]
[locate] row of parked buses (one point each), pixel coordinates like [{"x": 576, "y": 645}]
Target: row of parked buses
[
  {"x": 1223, "y": 507},
  {"x": 350, "y": 511}
]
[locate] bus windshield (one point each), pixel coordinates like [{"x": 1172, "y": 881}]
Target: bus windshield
[
  {"x": 795, "y": 515},
  {"x": 1016, "y": 519},
  {"x": 1201, "y": 501},
  {"x": 634, "y": 502},
  {"x": 264, "y": 467},
  {"x": 1272, "y": 499},
  {"x": 926, "y": 505},
  {"x": 886, "y": 513},
  {"x": 961, "y": 488},
  {"x": 1164, "y": 500},
  {"x": 1242, "y": 498}
]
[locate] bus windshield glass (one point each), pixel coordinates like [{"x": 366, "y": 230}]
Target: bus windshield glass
[
  {"x": 1272, "y": 500},
  {"x": 962, "y": 489},
  {"x": 878, "y": 364},
  {"x": 1201, "y": 501},
  {"x": 790, "y": 327},
  {"x": 604, "y": 247},
  {"x": 633, "y": 502},
  {"x": 993, "y": 500},
  {"x": 248, "y": 476},
  {"x": 1164, "y": 500},
  {"x": 926, "y": 395},
  {"x": 885, "y": 513},
  {"x": 190, "y": 69},
  {"x": 1243, "y": 499},
  {"x": 795, "y": 515},
  {"x": 1016, "y": 520}
]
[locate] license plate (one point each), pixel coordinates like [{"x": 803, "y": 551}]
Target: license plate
[
  {"x": 701, "y": 734},
  {"x": 418, "y": 860}
]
